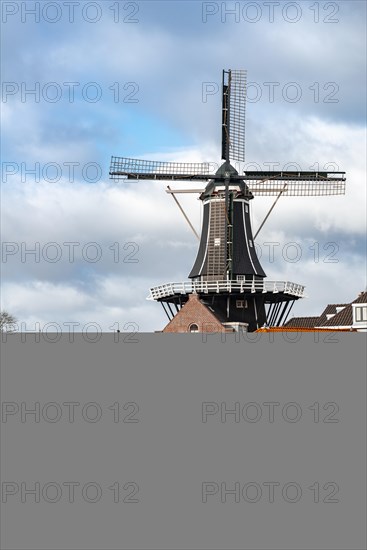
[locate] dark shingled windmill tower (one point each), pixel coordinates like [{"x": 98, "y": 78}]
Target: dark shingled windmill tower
[{"x": 227, "y": 277}]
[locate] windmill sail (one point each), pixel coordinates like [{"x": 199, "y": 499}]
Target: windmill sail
[
  {"x": 298, "y": 184},
  {"x": 233, "y": 115},
  {"x": 128, "y": 168}
]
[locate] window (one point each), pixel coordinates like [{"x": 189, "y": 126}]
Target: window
[
  {"x": 240, "y": 278},
  {"x": 246, "y": 208},
  {"x": 239, "y": 304},
  {"x": 193, "y": 328},
  {"x": 217, "y": 242},
  {"x": 361, "y": 313},
  {"x": 250, "y": 243}
]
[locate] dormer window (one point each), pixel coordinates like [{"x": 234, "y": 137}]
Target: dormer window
[{"x": 360, "y": 313}]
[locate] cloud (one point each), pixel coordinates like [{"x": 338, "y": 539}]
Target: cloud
[
  {"x": 112, "y": 304},
  {"x": 116, "y": 214}
]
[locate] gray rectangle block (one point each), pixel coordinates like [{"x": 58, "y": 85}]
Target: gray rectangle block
[{"x": 183, "y": 441}]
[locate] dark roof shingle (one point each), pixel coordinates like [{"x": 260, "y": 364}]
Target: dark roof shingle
[
  {"x": 301, "y": 322},
  {"x": 362, "y": 299},
  {"x": 329, "y": 310},
  {"x": 342, "y": 319}
]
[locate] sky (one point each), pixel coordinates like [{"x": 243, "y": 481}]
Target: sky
[{"x": 82, "y": 81}]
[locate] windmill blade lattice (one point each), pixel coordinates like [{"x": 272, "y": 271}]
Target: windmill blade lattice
[
  {"x": 237, "y": 115},
  {"x": 128, "y": 168},
  {"x": 298, "y": 184}
]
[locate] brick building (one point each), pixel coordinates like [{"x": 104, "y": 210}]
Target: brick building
[{"x": 196, "y": 316}]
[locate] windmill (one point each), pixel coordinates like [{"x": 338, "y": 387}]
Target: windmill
[{"x": 227, "y": 275}]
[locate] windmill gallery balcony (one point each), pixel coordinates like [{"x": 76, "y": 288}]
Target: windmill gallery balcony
[{"x": 170, "y": 290}]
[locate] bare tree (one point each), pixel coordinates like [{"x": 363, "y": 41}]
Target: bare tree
[{"x": 7, "y": 322}]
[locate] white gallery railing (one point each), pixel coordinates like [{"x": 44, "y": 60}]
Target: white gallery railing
[{"x": 206, "y": 287}]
